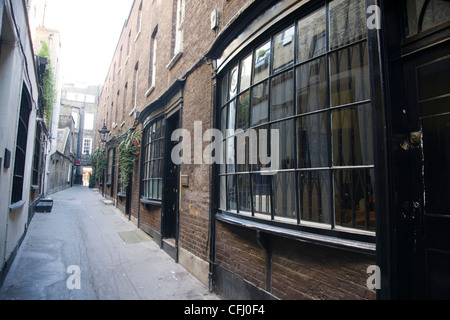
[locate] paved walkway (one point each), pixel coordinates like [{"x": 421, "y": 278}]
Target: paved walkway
[{"x": 113, "y": 259}]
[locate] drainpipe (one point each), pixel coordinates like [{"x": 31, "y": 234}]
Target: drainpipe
[
  {"x": 263, "y": 240},
  {"x": 213, "y": 194}
]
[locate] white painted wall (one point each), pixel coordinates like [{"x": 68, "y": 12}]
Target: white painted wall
[{"x": 17, "y": 68}]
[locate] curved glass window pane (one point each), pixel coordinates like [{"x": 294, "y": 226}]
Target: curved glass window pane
[
  {"x": 354, "y": 198},
  {"x": 349, "y": 76},
  {"x": 311, "y": 35},
  {"x": 284, "y": 196},
  {"x": 283, "y": 49},
  {"x": 314, "y": 196},
  {"x": 352, "y": 136},
  {"x": 262, "y": 62},
  {"x": 312, "y": 141},
  {"x": 347, "y": 22},
  {"x": 244, "y": 193},
  {"x": 286, "y": 146},
  {"x": 260, "y": 103},
  {"x": 282, "y": 95},
  {"x": 261, "y": 195},
  {"x": 312, "y": 86},
  {"x": 233, "y": 82},
  {"x": 243, "y": 110},
  {"x": 246, "y": 71}
]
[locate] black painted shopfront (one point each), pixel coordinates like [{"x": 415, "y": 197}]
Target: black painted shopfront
[{"x": 364, "y": 121}]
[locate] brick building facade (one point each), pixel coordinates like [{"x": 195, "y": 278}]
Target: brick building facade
[{"x": 322, "y": 76}]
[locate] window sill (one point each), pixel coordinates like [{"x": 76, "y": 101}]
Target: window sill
[
  {"x": 174, "y": 60},
  {"x": 17, "y": 205},
  {"x": 121, "y": 195},
  {"x": 300, "y": 235},
  {"x": 137, "y": 35},
  {"x": 34, "y": 187},
  {"x": 149, "y": 91},
  {"x": 157, "y": 203}
]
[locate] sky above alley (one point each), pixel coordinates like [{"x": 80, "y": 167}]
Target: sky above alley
[{"x": 89, "y": 30}]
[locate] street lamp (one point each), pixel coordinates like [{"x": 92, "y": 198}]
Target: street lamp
[{"x": 104, "y": 133}]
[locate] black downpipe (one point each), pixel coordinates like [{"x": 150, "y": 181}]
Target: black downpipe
[
  {"x": 213, "y": 193},
  {"x": 263, "y": 240}
]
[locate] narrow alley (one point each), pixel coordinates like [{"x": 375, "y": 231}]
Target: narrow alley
[{"x": 83, "y": 237}]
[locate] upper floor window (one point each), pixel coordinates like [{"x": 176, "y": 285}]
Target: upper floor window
[
  {"x": 179, "y": 26},
  {"x": 87, "y": 146},
  {"x": 139, "y": 22},
  {"x": 310, "y": 83}
]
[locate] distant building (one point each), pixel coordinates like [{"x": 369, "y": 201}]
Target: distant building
[{"x": 79, "y": 101}]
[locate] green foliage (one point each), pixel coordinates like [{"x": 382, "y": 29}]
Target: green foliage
[
  {"x": 48, "y": 85},
  {"x": 128, "y": 149},
  {"x": 99, "y": 161},
  {"x": 92, "y": 181}
]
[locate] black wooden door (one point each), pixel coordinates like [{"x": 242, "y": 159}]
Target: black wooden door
[
  {"x": 170, "y": 189},
  {"x": 426, "y": 214}
]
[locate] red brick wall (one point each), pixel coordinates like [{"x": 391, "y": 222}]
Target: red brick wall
[
  {"x": 299, "y": 270},
  {"x": 237, "y": 251},
  {"x": 195, "y": 199}
]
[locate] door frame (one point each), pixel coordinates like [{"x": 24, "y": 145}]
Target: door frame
[{"x": 174, "y": 232}]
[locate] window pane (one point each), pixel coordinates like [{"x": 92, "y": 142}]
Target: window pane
[
  {"x": 244, "y": 193},
  {"x": 246, "y": 71},
  {"x": 155, "y": 188},
  {"x": 150, "y": 189},
  {"x": 436, "y": 12},
  {"x": 312, "y": 35},
  {"x": 232, "y": 115},
  {"x": 243, "y": 110},
  {"x": 261, "y": 194},
  {"x": 352, "y": 136},
  {"x": 223, "y": 192},
  {"x": 230, "y": 155},
  {"x": 282, "y": 95},
  {"x": 283, "y": 184},
  {"x": 224, "y": 91},
  {"x": 223, "y": 120},
  {"x": 312, "y": 86},
  {"x": 283, "y": 49},
  {"x": 260, "y": 103},
  {"x": 231, "y": 193},
  {"x": 354, "y": 198},
  {"x": 314, "y": 196},
  {"x": 262, "y": 62},
  {"x": 347, "y": 22},
  {"x": 261, "y": 158},
  {"x": 286, "y": 147},
  {"x": 312, "y": 141},
  {"x": 242, "y": 150},
  {"x": 349, "y": 70},
  {"x": 233, "y": 82}
]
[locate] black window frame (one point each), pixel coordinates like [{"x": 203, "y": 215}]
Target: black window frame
[
  {"x": 335, "y": 229},
  {"x": 21, "y": 146},
  {"x": 153, "y": 151}
]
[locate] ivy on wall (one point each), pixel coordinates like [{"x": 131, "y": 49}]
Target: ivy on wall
[
  {"x": 128, "y": 149},
  {"x": 48, "y": 85}
]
